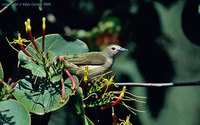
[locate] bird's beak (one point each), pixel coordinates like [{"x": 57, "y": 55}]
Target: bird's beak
[{"x": 122, "y": 49}]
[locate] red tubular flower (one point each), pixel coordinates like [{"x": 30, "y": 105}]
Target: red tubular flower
[
  {"x": 25, "y": 52},
  {"x": 104, "y": 88},
  {"x": 22, "y": 47},
  {"x": 127, "y": 118},
  {"x": 62, "y": 98},
  {"x": 43, "y": 32},
  {"x": 32, "y": 39},
  {"x": 72, "y": 79},
  {"x": 63, "y": 88},
  {"x": 113, "y": 104},
  {"x": 107, "y": 83},
  {"x": 29, "y": 33},
  {"x": 12, "y": 85},
  {"x": 113, "y": 117}
]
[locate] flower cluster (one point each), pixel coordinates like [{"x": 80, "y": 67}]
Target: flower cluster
[
  {"x": 43, "y": 60},
  {"x": 21, "y": 41},
  {"x": 102, "y": 94}
]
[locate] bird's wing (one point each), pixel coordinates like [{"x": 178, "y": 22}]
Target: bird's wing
[{"x": 93, "y": 59}]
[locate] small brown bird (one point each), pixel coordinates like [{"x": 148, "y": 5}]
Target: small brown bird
[{"x": 98, "y": 62}]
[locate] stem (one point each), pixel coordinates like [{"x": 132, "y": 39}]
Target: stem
[
  {"x": 11, "y": 45},
  {"x": 46, "y": 69},
  {"x": 159, "y": 84},
  {"x": 6, "y": 7}
]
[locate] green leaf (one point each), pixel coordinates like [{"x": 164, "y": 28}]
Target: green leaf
[
  {"x": 1, "y": 72},
  {"x": 78, "y": 103},
  {"x": 88, "y": 121},
  {"x": 78, "y": 99},
  {"x": 13, "y": 113},
  {"x": 43, "y": 98},
  {"x": 72, "y": 113}
]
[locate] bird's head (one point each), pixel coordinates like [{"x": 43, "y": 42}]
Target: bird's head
[{"x": 113, "y": 50}]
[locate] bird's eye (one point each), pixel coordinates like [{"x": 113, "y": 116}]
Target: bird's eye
[{"x": 113, "y": 48}]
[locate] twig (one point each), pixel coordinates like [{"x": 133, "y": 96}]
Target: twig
[
  {"x": 89, "y": 96},
  {"x": 6, "y": 7},
  {"x": 159, "y": 84}
]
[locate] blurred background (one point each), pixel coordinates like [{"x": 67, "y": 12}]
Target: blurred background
[{"x": 163, "y": 38}]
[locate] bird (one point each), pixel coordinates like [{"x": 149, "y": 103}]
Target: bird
[{"x": 98, "y": 63}]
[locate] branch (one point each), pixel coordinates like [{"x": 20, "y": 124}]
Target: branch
[
  {"x": 159, "y": 84},
  {"x": 6, "y": 7}
]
